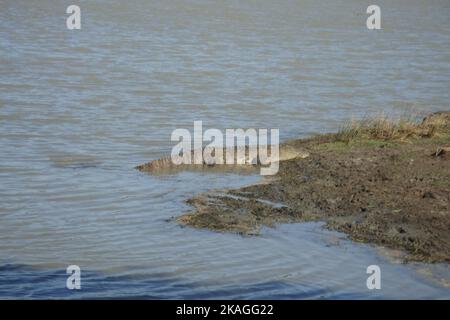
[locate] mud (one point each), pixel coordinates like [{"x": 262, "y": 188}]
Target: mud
[{"x": 387, "y": 192}]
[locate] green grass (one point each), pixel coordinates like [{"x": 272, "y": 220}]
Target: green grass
[
  {"x": 342, "y": 146},
  {"x": 385, "y": 129},
  {"x": 381, "y": 132}
]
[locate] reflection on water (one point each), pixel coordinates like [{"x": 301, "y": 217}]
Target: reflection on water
[{"x": 80, "y": 109}]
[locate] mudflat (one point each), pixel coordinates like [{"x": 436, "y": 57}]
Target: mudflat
[{"x": 378, "y": 181}]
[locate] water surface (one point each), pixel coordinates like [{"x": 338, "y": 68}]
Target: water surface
[{"x": 79, "y": 109}]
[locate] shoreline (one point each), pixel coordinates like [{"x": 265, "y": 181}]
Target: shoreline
[{"x": 378, "y": 182}]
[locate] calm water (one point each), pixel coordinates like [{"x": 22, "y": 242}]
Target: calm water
[{"x": 79, "y": 109}]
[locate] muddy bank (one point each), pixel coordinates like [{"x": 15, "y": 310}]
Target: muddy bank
[{"x": 378, "y": 182}]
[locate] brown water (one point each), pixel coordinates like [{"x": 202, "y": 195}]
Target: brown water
[{"x": 79, "y": 109}]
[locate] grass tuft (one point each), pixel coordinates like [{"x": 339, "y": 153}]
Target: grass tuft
[{"x": 384, "y": 128}]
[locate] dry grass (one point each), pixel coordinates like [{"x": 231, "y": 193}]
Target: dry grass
[{"x": 384, "y": 128}]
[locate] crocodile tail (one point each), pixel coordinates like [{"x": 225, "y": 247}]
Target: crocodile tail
[{"x": 155, "y": 165}]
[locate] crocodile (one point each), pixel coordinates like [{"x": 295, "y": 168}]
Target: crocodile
[{"x": 243, "y": 160}]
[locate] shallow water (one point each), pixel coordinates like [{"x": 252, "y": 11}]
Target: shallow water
[{"x": 80, "y": 109}]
